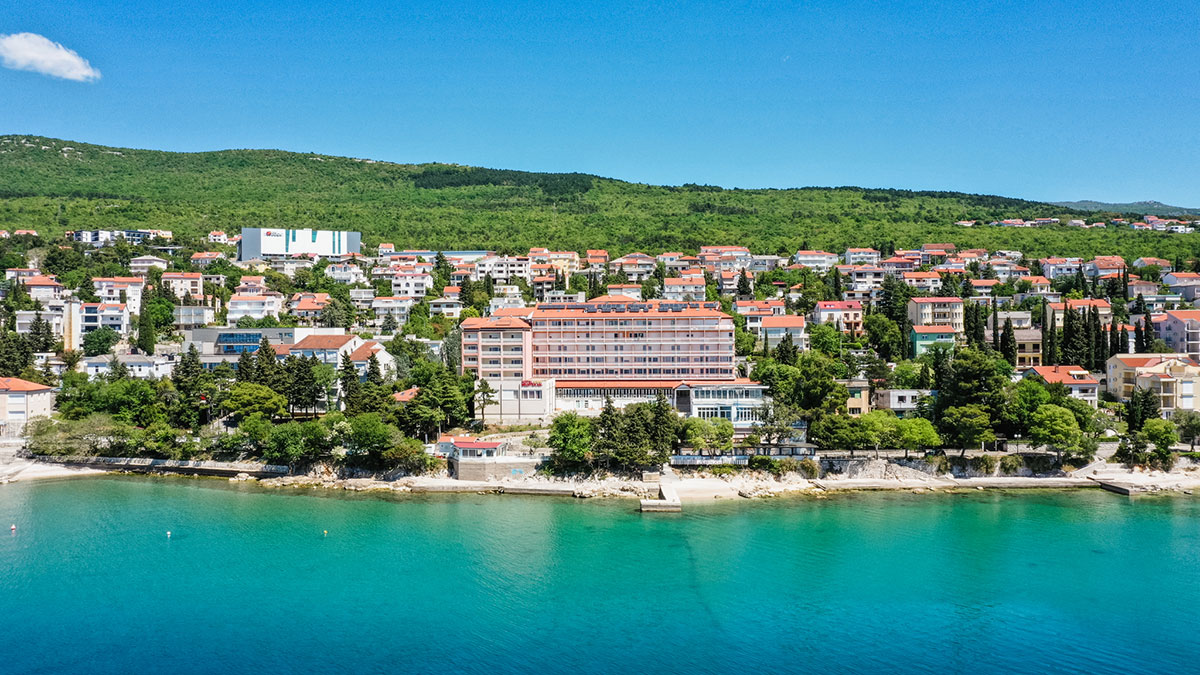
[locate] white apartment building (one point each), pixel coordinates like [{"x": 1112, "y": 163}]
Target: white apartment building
[
  {"x": 861, "y": 256},
  {"x": 141, "y": 265},
  {"x": 121, "y": 290},
  {"x": 503, "y": 268},
  {"x": 683, "y": 289},
  {"x": 775, "y": 328},
  {"x": 185, "y": 284},
  {"x": 346, "y": 273},
  {"x": 930, "y": 282},
  {"x": 820, "y": 261},
  {"x": 254, "y": 306}
]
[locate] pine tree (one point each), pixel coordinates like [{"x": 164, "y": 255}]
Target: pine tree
[
  {"x": 743, "y": 285},
  {"x": 246, "y": 368},
  {"x": 926, "y": 377},
  {"x": 663, "y": 429},
  {"x": 374, "y": 371},
  {"x": 785, "y": 351},
  {"x": 268, "y": 371},
  {"x": 41, "y": 337},
  {"x": 389, "y": 325}
]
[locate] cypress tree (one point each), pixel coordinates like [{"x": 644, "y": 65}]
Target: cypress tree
[
  {"x": 1114, "y": 339},
  {"x": 995, "y": 333},
  {"x": 1123, "y": 348},
  {"x": 1051, "y": 350},
  {"x": 1008, "y": 343},
  {"x": 349, "y": 385},
  {"x": 146, "y": 337}
]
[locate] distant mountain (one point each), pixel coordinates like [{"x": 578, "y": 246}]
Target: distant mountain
[{"x": 1150, "y": 208}]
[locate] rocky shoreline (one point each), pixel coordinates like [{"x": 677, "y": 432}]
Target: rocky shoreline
[{"x": 700, "y": 485}]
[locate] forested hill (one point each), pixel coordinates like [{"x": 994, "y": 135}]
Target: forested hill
[
  {"x": 52, "y": 185},
  {"x": 1150, "y": 208}
]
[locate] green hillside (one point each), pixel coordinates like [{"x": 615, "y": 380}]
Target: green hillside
[
  {"x": 53, "y": 185},
  {"x": 1151, "y": 208}
]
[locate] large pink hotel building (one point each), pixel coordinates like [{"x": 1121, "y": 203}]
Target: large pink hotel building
[{"x": 570, "y": 356}]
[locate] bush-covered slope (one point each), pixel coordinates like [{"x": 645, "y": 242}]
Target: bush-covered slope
[{"x": 53, "y": 185}]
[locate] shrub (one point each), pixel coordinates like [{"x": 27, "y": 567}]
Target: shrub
[
  {"x": 985, "y": 464},
  {"x": 938, "y": 463},
  {"x": 1039, "y": 464},
  {"x": 1010, "y": 465},
  {"x": 722, "y": 470},
  {"x": 786, "y": 465},
  {"x": 761, "y": 463},
  {"x": 810, "y": 468}
]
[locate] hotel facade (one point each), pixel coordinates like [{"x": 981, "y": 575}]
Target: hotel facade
[{"x": 559, "y": 357}]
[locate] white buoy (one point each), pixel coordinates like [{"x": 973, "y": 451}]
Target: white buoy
[{"x": 168, "y": 534}]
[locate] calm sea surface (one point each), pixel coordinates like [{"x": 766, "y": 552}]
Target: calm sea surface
[{"x": 248, "y": 582}]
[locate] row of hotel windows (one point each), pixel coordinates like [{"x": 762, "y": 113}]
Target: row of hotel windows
[
  {"x": 556, "y": 323},
  {"x": 727, "y": 412},
  {"x": 645, "y": 348},
  {"x": 635, "y": 359},
  {"x": 720, "y": 372}
]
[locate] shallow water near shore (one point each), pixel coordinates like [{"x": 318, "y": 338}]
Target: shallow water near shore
[{"x": 1024, "y": 581}]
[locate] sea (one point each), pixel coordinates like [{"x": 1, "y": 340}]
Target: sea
[{"x": 256, "y": 580}]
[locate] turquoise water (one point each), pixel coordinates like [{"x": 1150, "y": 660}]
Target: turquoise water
[{"x": 983, "y": 582}]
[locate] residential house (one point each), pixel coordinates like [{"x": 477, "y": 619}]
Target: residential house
[
  {"x": 846, "y": 315},
  {"x": 903, "y": 402},
  {"x": 1079, "y": 382},
  {"x": 22, "y": 401},
  {"x": 203, "y": 259},
  {"x": 924, "y": 337},
  {"x": 141, "y": 265},
  {"x": 254, "y": 306},
  {"x": 930, "y": 282},
  {"x": 775, "y": 328}
]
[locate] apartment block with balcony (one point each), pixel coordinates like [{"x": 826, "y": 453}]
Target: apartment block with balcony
[
  {"x": 1180, "y": 329},
  {"x": 937, "y": 311},
  {"x": 1174, "y": 378}
]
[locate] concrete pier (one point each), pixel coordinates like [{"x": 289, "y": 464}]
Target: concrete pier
[{"x": 668, "y": 497}]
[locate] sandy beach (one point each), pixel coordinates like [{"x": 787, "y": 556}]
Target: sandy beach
[{"x": 24, "y": 469}]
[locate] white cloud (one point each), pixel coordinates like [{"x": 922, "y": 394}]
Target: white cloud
[{"x": 30, "y": 51}]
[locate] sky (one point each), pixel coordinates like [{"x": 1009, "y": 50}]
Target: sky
[{"x": 1039, "y": 99}]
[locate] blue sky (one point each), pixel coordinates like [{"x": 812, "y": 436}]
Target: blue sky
[{"x": 1041, "y": 99}]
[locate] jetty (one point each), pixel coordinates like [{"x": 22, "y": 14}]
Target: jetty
[{"x": 668, "y": 497}]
